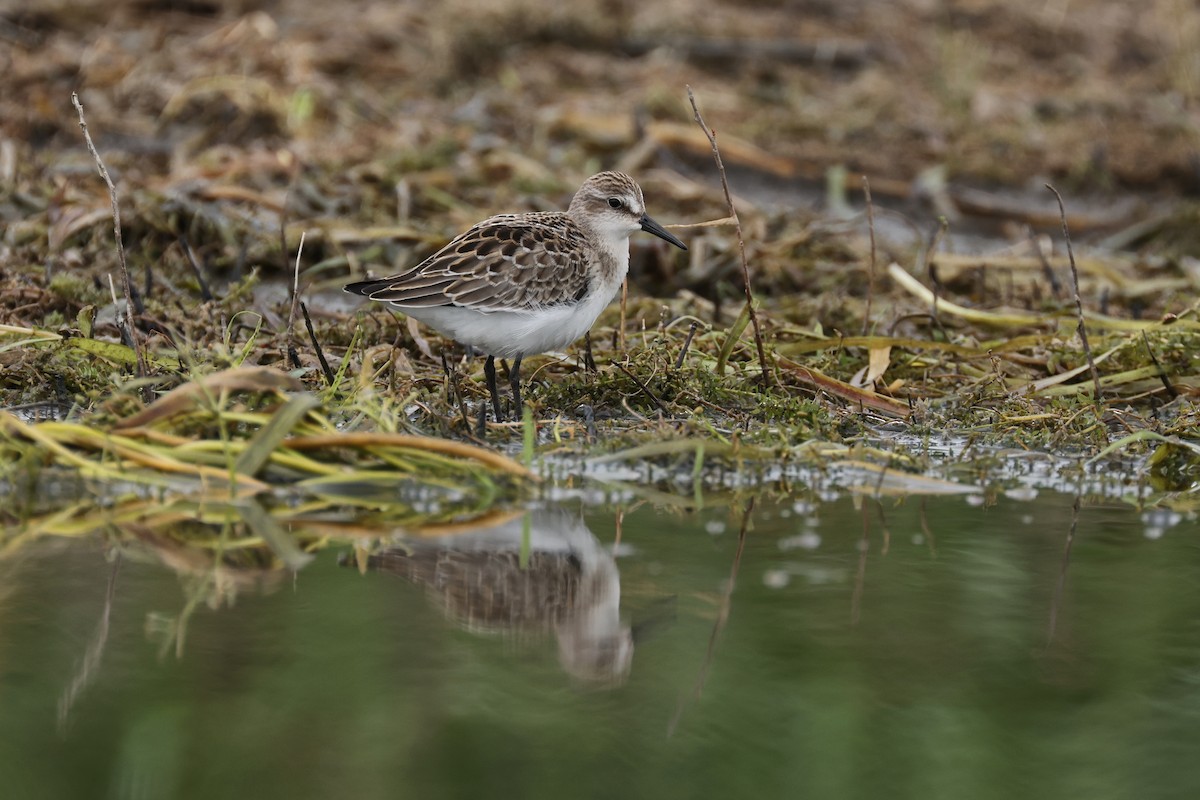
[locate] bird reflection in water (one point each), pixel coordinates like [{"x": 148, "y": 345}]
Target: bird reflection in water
[{"x": 566, "y": 584}]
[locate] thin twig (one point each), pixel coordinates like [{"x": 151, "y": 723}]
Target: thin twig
[
  {"x": 116, "y": 215},
  {"x": 695, "y": 326},
  {"x": 645, "y": 389},
  {"x": 312, "y": 336},
  {"x": 1047, "y": 270},
  {"x": 205, "y": 292},
  {"x": 290, "y": 347},
  {"x": 871, "y": 277},
  {"x": 1087, "y": 348},
  {"x": 712, "y": 139},
  {"x": 1162, "y": 373}
]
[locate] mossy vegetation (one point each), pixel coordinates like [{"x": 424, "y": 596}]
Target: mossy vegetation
[{"x": 946, "y": 309}]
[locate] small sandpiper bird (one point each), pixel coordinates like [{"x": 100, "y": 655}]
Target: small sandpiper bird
[{"x": 516, "y": 285}]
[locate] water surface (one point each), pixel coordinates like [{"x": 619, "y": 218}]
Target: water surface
[{"x": 941, "y": 647}]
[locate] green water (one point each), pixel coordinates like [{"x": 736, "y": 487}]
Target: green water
[{"x": 838, "y": 663}]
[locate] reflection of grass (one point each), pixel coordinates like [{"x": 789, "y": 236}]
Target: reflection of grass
[{"x": 223, "y": 547}]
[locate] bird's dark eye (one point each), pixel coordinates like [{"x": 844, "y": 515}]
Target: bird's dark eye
[{"x": 615, "y": 202}]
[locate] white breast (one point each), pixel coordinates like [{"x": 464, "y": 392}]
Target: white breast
[{"x": 509, "y": 334}]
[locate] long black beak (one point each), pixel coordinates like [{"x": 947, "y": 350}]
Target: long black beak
[{"x": 650, "y": 226}]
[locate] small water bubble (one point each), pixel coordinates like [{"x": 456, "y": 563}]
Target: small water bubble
[
  {"x": 714, "y": 527},
  {"x": 976, "y": 500},
  {"x": 801, "y": 541},
  {"x": 803, "y": 507},
  {"x": 1158, "y": 520},
  {"x": 776, "y": 578}
]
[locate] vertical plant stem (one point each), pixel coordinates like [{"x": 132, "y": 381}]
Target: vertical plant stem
[
  {"x": 131, "y": 330},
  {"x": 1087, "y": 348},
  {"x": 871, "y": 277},
  {"x": 289, "y": 346},
  {"x": 712, "y": 140}
]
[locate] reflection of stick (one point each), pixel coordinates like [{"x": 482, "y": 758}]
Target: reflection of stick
[
  {"x": 712, "y": 139},
  {"x": 719, "y": 625},
  {"x": 116, "y": 215},
  {"x": 926, "y": 530},
  {"x": 887, "y": 532},
  {"x": 620, "y": 521},
  {"x": 91, "y": 658},
  {"x": 1062, "y": 573},
  {"x": 860, "y": 577}
]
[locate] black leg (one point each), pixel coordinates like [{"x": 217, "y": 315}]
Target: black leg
[
  {"x": 589, "y": 363},
  {"x": 489, "y": 370},
  {"x": 514, "y": 380}
]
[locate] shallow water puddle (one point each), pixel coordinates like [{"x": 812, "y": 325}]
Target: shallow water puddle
[{"x": 933, "y": 647}]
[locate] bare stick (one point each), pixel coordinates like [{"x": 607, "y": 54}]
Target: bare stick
[
  {"x": 687, "y": 343},
  {"x": 1087, "y": 348},
  {"x": 871, "y": 231},
  {"x": 290, "y": 348},
  {"x": 1162, "y": 373},
  {"x": 312, "y": 336},
  {"x": 1047, "y": 270},
  {"x": 205, "y": 292},
  {"x": 116, "y": 215},
  {"x": 645, "y": 389},
  {"x": 712, "y": 139}
]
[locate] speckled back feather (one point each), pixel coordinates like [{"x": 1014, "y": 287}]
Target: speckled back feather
[{"x": 510, "y": 262}]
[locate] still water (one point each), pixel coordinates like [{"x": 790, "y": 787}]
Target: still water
[{"x": 929, "y": 648}]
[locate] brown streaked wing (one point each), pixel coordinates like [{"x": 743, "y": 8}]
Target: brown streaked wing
[{"x": 505, "y": 263}]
